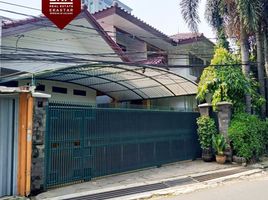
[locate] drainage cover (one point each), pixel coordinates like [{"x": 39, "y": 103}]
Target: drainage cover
[
  {"x": 123, "y": 192},
  {"x": 177, "y": 182},
  {"x": 216, "y": 175},
  {"x": 136, "y": 190},
  {"x": 158, "y": 186}
]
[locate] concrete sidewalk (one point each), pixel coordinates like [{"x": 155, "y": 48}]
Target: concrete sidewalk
[{"x": 137, "y": 178}]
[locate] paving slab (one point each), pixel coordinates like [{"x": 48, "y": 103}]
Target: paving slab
[{"x": 136, "y": 178}]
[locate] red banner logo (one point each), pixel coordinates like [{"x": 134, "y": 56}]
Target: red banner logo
[{"x": 61, "y": 12}]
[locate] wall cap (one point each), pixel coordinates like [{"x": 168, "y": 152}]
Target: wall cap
[
  {"x": 204, "y": 105},
  {"x": 222, "y": 103},
  {"x": 41, "y": 95}
]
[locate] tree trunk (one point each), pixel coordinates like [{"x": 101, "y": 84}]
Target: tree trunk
[
  {"x": 260, "y": 63},
  {"x": 245, "y": 61},
  {"x": 266, "y": 61}
]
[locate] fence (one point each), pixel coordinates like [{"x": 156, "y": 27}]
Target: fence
[{"x": 83, "y": 142}]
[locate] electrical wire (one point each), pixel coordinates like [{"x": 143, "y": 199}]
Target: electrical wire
[
  {"x": 78, "y": 60},
  {"x": 81, "y": 26},
  {"x": 13, "y": 4},
  {"x": 66, "y": 29}
]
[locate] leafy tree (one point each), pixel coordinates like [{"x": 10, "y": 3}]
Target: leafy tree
[
  {"x": 240, "y": 18},
  {"x": 226, "y": 82}
]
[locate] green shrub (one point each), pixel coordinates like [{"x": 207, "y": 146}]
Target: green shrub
[
  {"x": 247, "y": 134},
  {"x": 226, "y": 82},
  {"x": 206, "y": 129},
  {"x": 219, "y": 144}
]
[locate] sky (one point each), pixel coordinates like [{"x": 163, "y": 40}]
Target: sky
[{"x": 163, "y": 15}]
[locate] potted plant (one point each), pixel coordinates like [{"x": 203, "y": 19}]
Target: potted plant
[
  {"x": 206, "y": 129},
  {"x": 219, "y": 145}
]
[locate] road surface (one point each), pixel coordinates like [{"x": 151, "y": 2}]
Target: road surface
[{"x": 248, "y": 189}]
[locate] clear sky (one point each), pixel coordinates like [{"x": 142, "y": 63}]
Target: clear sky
[{"x": 164, "y": 15}]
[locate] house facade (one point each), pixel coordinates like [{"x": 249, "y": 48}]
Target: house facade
[
  {"x": 50, "y": 81},
  {"x": 144, "y": 44},
  {"x": 38, "y": 40},
  {"x": 184, "y": 54}
]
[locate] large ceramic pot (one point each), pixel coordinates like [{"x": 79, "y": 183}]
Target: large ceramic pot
[
  {"x": 207, "y": 155},
  {"x": 221, "y": 159}
]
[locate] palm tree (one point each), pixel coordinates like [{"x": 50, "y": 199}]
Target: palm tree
[
  {"x": 214, "y": 17},
  {"x": 251, "y": 13},
  {"x": 265, "y": 45},
  {"x": 240, "y": 17}
]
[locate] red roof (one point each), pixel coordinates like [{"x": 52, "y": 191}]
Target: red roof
[
  {"x": 88, "y": 16},
  {"x": 182, "y": 38},
  {"x": 126, "y": 15}
]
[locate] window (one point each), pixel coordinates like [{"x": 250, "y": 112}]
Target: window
[
  {"x": 59, "y": 90},
  {"x": 80, "y": 93},
  {"x": 40, "y": 87},
  {"x": 196, "y": 65}
]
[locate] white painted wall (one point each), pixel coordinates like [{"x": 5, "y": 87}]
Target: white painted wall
[
  {"x": 90, "y": 98},
  {"x": 79, "y": 40}
]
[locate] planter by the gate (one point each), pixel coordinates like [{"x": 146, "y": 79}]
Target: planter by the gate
[
  {"x": 221, "y": 159},
  {"x": 207, "y": 155}
]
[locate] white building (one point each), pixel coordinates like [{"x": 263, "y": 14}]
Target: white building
[{"x": 97, "y": 5}]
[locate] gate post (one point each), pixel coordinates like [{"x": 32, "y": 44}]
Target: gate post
[
  {"x": 224, "y": 119},
  {"x": 38, "y": 140},
  {"x": 205, "y": 109}
]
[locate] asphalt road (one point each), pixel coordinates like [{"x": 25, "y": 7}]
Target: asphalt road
[{"x": 256, "y": 189}]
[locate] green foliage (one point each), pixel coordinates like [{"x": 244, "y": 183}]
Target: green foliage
[
  {"x": 208, "y": 82},
  {"x": 206, "y": 129},
  {"x": 250, "y": 12},
  {"x": 247, "y": 134},
  {"x": 227, "y": 82},
  {"x": 219, "y": 143}
]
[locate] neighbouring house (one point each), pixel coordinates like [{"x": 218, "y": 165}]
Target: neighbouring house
[
  {"x": 145, "y": 44},
  {"x": 39, "y": 41},
  {"x": 185, "y": 54},
  {"x": 71, "y": 68}
]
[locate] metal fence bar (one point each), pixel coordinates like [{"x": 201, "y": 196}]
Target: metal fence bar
[{"x": 85, "y": 142}]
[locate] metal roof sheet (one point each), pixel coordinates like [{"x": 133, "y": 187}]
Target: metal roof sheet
[{"x": 122, "y": 81}]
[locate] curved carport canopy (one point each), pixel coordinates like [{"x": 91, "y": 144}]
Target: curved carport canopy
[{"x": 124, "y": 82}]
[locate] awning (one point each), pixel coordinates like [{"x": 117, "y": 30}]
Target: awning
[{"x": 122, "y": 81}]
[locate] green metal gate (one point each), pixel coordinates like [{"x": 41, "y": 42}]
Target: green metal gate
[{"x": 83, "y": 142}]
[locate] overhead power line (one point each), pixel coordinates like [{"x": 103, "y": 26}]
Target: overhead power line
[
  {"x": 81, "y": 26},
  {"x": 13, "y": 4}
]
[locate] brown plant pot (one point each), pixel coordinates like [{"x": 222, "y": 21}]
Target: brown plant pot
[
  {"x": 221, "y": 159},
  {"x": 207, "y": 155}
]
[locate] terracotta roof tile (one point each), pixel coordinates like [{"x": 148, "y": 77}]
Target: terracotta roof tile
[
  {"x": 160, "y": 60},
  {"x": 135, "y": 20},
  {"x": 187, "y": 37}
]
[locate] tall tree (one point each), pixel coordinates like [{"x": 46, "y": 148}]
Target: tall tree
[
  {"x": 214, "y": 16},
  {"x": 239, "y": 16},
  {"x": 265, "y": 45},
  {"x": 251, "y": 15}
]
